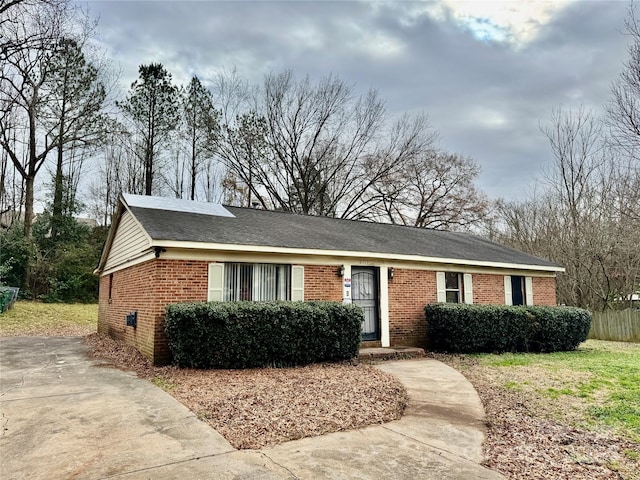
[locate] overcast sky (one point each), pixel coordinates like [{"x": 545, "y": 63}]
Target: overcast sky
[{"x": 486, "y": 73}]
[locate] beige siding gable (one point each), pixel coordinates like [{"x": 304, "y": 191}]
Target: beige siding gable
[{"x": 130, "y": 241}]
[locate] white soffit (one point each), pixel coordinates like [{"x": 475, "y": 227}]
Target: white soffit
[{"x": 176, "y": 205}]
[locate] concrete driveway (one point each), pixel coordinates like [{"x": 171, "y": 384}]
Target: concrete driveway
[{"x": 63, "y": 416}]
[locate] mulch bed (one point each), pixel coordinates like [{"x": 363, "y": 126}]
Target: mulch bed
[{"x": 255, "y": 408}]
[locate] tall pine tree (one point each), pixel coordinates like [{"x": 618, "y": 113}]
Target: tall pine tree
[
  {"x": 152, "y": 107},
  {"x": 74, "y": 117},
  {"x": 201, "y": 128}
]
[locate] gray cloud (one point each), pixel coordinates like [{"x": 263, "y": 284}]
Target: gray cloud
[{"x": 487, "y": 99}]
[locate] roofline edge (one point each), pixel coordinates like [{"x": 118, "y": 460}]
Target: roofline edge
[{"x": 343, "y": 253}]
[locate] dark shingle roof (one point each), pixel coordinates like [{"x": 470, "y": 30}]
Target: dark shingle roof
[{"x": 279, "y": 229}]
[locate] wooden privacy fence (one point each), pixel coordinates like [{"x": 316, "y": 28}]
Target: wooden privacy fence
[{"x": 621, "y": 326}]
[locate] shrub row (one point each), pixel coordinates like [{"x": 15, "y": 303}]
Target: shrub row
[
  {"x": 259, "y": 334},
  {"x": 458, "y": 328}
]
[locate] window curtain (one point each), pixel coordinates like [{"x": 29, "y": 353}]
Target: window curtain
[{"x": 258, "y": 282}]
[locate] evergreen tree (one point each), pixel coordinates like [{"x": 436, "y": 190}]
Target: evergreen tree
[
  {"x": 73, "y": 115},
  {"x": 201, "y": 128},
  {"x": 152, "y": 107}
]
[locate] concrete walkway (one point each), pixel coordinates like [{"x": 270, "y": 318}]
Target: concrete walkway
[{"x": 63, "y": 416}]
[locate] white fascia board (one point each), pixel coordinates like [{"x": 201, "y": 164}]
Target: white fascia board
[
  {"x": 143, "y": 257},
  {"x": 343, "y": 253}
]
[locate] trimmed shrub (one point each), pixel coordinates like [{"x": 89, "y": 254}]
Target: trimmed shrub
[
  {"x": 259, "y": 334},
  {"x": 459, "y": 328}
]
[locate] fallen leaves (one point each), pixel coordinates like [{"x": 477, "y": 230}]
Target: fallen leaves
[
  {"x": 527, "y": 439},
  {"x": 255, "y": 408}
]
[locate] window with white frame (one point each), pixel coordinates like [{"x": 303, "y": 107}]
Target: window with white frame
[
  {"x": 518, "y": 290},
  {"x": 256, "y": 281},
  {"x": 453, "y": 287}
]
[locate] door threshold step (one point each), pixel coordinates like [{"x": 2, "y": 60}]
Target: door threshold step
[{"x": 394, "y": 353}]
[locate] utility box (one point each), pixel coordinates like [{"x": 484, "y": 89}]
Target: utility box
[{"x": 131, "y": 319}]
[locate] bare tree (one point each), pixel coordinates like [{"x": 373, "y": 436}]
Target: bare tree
[
  {"x": 623, "y": 109},
  {"x": 435, "y": 190},
  {"x": 119, "y": 171},
  {"x": 245, "y": 150},
  {"x": 577, "y": 220},
  {"x": 32, "y": 32},
  {"x": 12, "y": 14},
  {"x": 575, "y": 182},
  {"x": 317, "y": 148},
  {"x": 211, "y": 182},
  {"x": 578, "y": 146},
  {"x": 319, "y": 135},
  {"x": 623, "y": 119},
  {"x": 313, "y": 148}
]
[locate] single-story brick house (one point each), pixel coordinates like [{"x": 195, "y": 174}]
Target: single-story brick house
[{"x": 162, "y": 250}]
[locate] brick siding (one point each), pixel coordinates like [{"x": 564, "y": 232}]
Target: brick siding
[
  {"x": 409, "y": 292},
  {"x": 322, "y": 283},
  {"x": 544, "y": 291},
  {"x": 488, "y": 289},
  {"x": 148, "y": 287}
]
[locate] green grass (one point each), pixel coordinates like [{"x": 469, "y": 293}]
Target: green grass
[
  {"x": 606, "y": 375},
  {"x": 34, "y": 318},
  {"x": 163, "y": 383}
]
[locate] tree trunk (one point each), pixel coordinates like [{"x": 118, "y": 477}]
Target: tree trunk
[
  {"x": 28, "y": 206},
  {"x": 193, "y": 166},
  {"x": 31, "y": 171},
  {"x": 56, "y": 213},
  {"x": 148, "y": 174}
]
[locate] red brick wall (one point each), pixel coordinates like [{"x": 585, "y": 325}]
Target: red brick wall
[
  {"x": 177, "y": 281},
  {"x": 488, "y": 289},
  {"x": 322, "y": 283},
  {"x": 147, "y": 288},
  {"x": 132, "y": 290},
  {"x": 544, "y": 291},
  {"x": 409, "y": 292}
]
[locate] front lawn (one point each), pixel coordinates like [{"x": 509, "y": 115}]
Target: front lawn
[
  {"x": 598, "y": 385},
  {"x": 49, "y": 320},
  {"x": 560, "y": 415}
]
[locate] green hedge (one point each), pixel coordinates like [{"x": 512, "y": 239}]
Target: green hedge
[
  {"x": 258, "y": 334},
  {"x": 498, "y": 328}
]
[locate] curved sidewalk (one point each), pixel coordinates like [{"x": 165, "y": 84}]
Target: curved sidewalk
[
  {"x": 439, "y": 436},
  {"x": 63, "y": 416}
]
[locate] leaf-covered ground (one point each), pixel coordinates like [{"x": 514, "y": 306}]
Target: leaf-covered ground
[
  {"x": 534, "y": 434},
  {"x": 254, "y": 408},
  {"x": 538, "y": 427}
]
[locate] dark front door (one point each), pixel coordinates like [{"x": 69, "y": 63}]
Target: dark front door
[{"x": 364, "y": 292}]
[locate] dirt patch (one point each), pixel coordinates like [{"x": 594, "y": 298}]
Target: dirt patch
[
  {"x": 255, "y": 408},
  {"x": 530, "y": 438}
]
